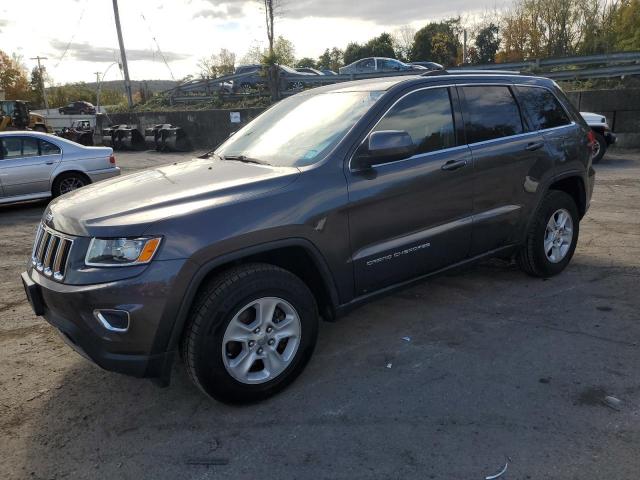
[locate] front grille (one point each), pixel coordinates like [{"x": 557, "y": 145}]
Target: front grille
[{"x": 51, "y": 252}]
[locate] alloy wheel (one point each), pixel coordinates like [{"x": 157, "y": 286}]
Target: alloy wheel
[
  {"x": 558, "y": 235},
  {"x": 261, "y": 340}
]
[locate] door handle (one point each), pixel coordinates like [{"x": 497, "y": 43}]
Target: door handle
[
  {"x": 48, "y": 163},
  {"x": 534, "y": 146},
  {"x": 454, "y": 164}
]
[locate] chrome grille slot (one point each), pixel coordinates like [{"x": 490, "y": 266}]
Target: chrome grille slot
[{"x": 51, "y": 252}]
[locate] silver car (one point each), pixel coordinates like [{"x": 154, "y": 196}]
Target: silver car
[
  {"x": 37, "y": 165},
  {"x": 377, "y": 65}
]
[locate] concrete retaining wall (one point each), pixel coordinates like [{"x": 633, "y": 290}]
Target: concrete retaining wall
[
  {"x": 206, "y": 128},
  {"x": 621, "y": 107}
]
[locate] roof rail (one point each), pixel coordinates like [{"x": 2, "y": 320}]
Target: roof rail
[{"x": 462, "y": 71}]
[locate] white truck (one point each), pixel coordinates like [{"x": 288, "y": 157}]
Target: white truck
[{"x": 604, "y": 136}]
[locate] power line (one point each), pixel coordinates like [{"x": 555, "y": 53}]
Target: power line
[
  {"x": 158, "y": 47},
  {"x": 84, "y": 7}
]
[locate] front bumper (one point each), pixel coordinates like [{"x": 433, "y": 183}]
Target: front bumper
[
  {"x": 98, "y": 175},
  {"x": 151, "y": 298}
]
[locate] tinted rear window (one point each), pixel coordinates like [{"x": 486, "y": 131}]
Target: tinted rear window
[
  {"x": 542, "y": 107},
  {"x": 491, "y": 112}
]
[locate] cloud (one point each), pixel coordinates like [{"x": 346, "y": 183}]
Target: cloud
[
  {"x": 381, "y": 12},
  {"x": 91, "y": 53},
  {"x": 231, "y": 10}
]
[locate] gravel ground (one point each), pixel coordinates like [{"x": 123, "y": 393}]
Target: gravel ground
[{"x": 494, "y": 365}]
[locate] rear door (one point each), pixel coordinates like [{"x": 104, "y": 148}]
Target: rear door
[
  {"x": 508, "y": 161},
  {"x": 412, "y": 216},
  {"x": 27, "y": 164},
  {"x": 549, "y": 117}
]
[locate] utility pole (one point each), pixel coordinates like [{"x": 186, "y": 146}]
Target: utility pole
[
  {"x": 44, "y": 92},
  {"x": 465, "y": 57},
  {"x": 97, "y": 91},
  {"x": 123, "y": 55}
]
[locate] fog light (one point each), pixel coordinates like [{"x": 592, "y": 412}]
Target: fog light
[{"x": 113, "y": 320}]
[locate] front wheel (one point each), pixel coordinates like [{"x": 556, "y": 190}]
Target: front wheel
[
  {"x": 552, "y": 236},
  {"x": 251, "y": 332}
]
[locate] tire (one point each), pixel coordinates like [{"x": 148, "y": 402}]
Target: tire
[
  {"x": 68, "y": 182},
  {"x": 534, "y": 257},
  {"x": 601, "y": 148},
  {"x": 232, "y": 299}
]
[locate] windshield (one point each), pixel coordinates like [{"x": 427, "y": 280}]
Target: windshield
[{"x": 298, "y": 130}]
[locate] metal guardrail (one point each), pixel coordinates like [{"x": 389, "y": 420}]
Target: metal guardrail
[
  {"x": 198, "y": 90},
  {"x": 619, "y": 57}
]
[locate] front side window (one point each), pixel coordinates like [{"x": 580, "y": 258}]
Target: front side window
[
  {"x": 543, "y": 108},
  {"x": 297, "y": 131},
  {"x": 426, "y": 115},
  {"x": 491, "y": 112}
]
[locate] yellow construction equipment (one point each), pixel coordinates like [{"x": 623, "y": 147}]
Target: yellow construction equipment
[{"x": 15, "y": 115}]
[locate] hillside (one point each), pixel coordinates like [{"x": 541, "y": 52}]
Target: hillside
[{"x": 153, "y": 85}]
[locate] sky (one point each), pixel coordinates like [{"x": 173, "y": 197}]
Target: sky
[{"x": 78, "y": 37}]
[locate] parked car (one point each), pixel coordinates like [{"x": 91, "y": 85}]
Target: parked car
[
  {"x": 80, "y": 132},
  {"x": 37, "y": 165},
  {"x": 429, "y": 65},
  {"x": 78, "y": 108},
  {"x": 325, "y": 201},
  {"x": 603, "y": 134},
  {"x": 258, "y": 78},
  {"x": 312, "y": 71},
  {"x": 378, "y": 64}
]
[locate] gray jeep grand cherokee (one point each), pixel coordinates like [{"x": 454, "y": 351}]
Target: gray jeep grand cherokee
[{"x": 328, "y": 199}]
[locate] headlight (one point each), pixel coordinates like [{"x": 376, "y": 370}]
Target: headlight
[{"x": 118, "y": 252}]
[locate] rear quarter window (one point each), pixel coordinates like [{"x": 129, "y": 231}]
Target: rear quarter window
[
  {"x": 543, "y": 108},
  {"x": 490, "y": 112}
]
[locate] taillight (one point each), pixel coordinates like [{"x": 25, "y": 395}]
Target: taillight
[
  {"x": 591, "y": 140},
  {"x": 112, "y": 159}
]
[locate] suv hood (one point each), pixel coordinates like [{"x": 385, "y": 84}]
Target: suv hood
[{"x": 128, "y": 205}]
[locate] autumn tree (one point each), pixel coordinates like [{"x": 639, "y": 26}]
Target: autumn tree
[
  {"x": 217, "y": 64},
  {"x": 13, "y": 78},
  {"x": 437, "y": 42}
]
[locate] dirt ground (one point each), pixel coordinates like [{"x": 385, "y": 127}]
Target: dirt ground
[{"x": 449, "y": 379}]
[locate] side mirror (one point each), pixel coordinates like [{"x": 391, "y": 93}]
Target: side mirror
[{"x": 385, "y": 146}]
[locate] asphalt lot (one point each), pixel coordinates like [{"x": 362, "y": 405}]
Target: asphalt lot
[{"x": 495, "y": 365}]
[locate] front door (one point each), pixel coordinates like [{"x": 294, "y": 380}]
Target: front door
[
  {"x": 412, "y": 216},
  {"x": 26, "y": 165}
]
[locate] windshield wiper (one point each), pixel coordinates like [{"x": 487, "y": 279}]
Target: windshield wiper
[
  {"x": 243, "y": 158},
  {"x": 209, "y": 154}
]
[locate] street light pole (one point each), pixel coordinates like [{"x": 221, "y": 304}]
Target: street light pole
[{"x": 123, "y": 55}]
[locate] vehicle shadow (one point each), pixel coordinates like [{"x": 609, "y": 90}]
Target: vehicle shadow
[{"x": 438, "y": 365}]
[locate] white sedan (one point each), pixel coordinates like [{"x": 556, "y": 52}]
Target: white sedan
[{"x": 37, "y": 165}]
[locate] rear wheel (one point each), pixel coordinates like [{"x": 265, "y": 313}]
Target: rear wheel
[
  {"x": 552, "y": 237},
  {"x": 251, "y": 332},
  {"x": 599, "y": 148},
  {"x": 68, "y": 182}
]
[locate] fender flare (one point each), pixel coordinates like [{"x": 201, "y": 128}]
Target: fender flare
[{"x": 207, "y": 267}]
